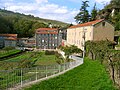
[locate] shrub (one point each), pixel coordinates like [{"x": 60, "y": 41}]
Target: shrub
[
  {"x": 49, "y": 52},
  {"x": 1, "y": 78},
  {"x": 8, "y": 48}
]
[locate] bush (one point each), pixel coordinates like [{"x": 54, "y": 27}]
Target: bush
[
  {"x": 1, "y": 78},
  {"x": 8, "y": 48},
  {"x": 49, "y": 52}
]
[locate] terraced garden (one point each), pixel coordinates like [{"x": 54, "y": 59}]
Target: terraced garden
[
  {"x": 28, "y": 62},
  {"x": 89, "y": 76},
  {"x": 26, "y": 59},
  {"x": 4, "y": 53}
]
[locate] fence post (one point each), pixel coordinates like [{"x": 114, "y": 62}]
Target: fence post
[
  {"x": 59, "y": 68},
  {"x": 54, "y": 69},
  {"x": 64, "y": 66},
  {"x": 70, "y": 64},
  {"x": 21, "y": 77},
  {"x": 46, "y": 71},
  {"x": 36, "y": 74}
]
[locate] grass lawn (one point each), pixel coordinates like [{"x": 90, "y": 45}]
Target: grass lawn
[
  {"x": 89, "y": 76},
  {"x": 46, "y": 60}
]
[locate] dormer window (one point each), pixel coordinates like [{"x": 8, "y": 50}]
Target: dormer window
[{"x": 103, "y": 23}]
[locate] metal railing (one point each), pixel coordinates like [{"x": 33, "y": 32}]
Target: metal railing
[{"x": 11, "y": 79}]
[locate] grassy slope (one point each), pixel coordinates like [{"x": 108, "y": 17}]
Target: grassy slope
[{"x": 89, "y": 76}]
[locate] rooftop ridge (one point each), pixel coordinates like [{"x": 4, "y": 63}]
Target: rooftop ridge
[{"x": 87, "y": 23}]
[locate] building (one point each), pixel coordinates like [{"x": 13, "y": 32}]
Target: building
[
  {"x": 48, "y": 38},
  {"x": 94, "y": 31},
  {"x": 8, "y": 40},
  {"x": 22, "y": 42},
  {"x": 27, "y": 42},
  {"x": 31, "y": 42}
]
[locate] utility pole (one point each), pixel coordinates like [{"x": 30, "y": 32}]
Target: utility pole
[{"x": 84, "y": 31}]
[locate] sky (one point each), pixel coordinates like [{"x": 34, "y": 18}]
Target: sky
[{"x": 61, "y": 10}]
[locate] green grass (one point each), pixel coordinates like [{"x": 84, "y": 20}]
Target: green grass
[
  {"x": 18, "y": 58},
  {"x": 42, "y": 59},
  {"x": 89, "y": 76},
  {"x": 46, "y": 60},
  {"x": 4, "y": 53}
]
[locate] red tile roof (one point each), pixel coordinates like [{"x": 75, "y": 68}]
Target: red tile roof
[
  {"x": 47, "y": 32},
  {"x": 87, "y": 24},
  {"x": 11, "y": 38},
  {"x": 9, "y": 35},
  {"x": 47, "y": 29}
]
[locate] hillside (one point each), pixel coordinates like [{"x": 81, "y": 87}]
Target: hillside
[
  {"x": 111, "y": 12},
  {"x": 31, "y": 17},
  {"x": 24, "y": 25}
]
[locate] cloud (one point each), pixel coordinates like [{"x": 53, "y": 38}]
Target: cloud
[
  {"x": 103, "y": 1},
  {"x": 41, "y": 1},
  {"x": 21, "y": 7},
  {"x": 53, "y": 9},
  {"x": 56, "y": 12},
  {"x": 76, "y": 1}
]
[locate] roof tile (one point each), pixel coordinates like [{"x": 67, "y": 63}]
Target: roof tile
[
  {"x": 87, "y": 24},
  {"x": 47, "y": 29},
  {"x": 9, "y": 35}
]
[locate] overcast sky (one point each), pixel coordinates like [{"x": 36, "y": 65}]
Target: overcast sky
[{"x": 62, "y": 10}]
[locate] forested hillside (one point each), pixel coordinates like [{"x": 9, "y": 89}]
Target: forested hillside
[
  {"x": 24, "y": 25},
  {"x": 111, "y": 12}
]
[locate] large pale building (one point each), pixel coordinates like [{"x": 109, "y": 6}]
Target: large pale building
[{"x": 94, "y": 31}]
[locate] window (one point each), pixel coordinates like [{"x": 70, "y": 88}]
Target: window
[
  {"x": 79, "y": 42},
  {"x": 90, "y": 34},
  {"x": 56, "y": 37},
  {"x": 79, "y": 33},
  {"x": 42, "y": 40}
]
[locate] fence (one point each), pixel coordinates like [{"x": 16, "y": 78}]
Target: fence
[{"x": 11, "y": 79}]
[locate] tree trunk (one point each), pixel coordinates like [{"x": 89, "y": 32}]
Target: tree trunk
[
  {"x": 113, "y": 71},
  {"x": 91, "y": 55}
]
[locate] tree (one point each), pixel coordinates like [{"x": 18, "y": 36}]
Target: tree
[
  {"x": 83, "y": 16},
  {"x": 94, "y": 13},
  {"x": 70, "y": 50},
  {"x": 97, "y": 49},
  {"x": 113, "y": 57},
  {"x": 116, "y": 21},
  {"x": 115, "y": 4},
  {"x": 58, "y": 57}
]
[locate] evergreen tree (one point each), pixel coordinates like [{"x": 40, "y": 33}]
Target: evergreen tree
[
  {"x": 83, "y": 16},
  {"x": 115, "y": 4},
  {"x": 94, "y": 13}
]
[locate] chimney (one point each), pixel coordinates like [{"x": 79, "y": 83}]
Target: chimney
[{"x": 50, "y": 25}]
